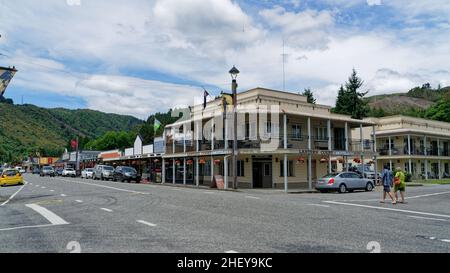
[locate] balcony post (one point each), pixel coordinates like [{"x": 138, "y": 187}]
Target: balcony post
[
  {"x": 425, "y": 145},
  {"x": 426, "y": 169},
  {"x": 225, "y": 172},
  {"x": 390, "y": 146},
  {"x": 309, "y": 155},
  {"x": 330, "y": 169},
  {"x": 163, "y": 171},
  {"x": 439, "y": 147},
  {"x": 285, "y": 155},
  {"x": 409, "y": 145},
  {"x": 173, "y": 171},
  {"x": 212, "y": 134},
  {"x": 439, "y": 169},
  {"x": 184, "y": 171},
  {"x": 374, "y": 150},
  {"x": 197, "y": 175}
]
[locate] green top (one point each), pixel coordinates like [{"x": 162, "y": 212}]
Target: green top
[{"x": 401, "y": 175}]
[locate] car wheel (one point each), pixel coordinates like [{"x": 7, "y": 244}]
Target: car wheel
[
  {"x": 342, "y": 188},
  {"x": 369, "y": 187}
]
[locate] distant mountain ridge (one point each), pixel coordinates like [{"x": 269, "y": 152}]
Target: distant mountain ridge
[
  {"x": 27, "y": 129},
  {"x": 415, "y": 101}
]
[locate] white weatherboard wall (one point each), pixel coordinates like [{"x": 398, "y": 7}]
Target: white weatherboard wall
[
  {"x": 148, "y": 149},
  {"x": 129, "y": 152},
  {"x": 138, "y": 146}
]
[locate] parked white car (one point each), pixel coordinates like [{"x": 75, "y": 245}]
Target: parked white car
[
  {"x": 87, "y": 173},
  {"x": 69, "y": 172}
]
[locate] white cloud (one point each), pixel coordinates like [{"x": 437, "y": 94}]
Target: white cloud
[
  {"x": 373, "y": 2},
  {"x": 83, "y": 50}
]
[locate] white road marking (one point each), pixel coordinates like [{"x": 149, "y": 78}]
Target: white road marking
[
  {"x": 435, "y": 239},
  {"x": 50, "y": 216},
  {"x": 428, "y": 218},
  {"x": 79, "y": 201},
  {"x": 146, "y": 223},
  {"x": 108, "y": 210},
  {"x": 14, "y": 195},
  {"x": 427, "y": 195},
  {"x": 63, "y": 195},
  {"x": 102, "y": 186},
  {"x": 25, "y": 227},
  {"x": 410, "y": 197},
  {"x": 43, "y": 187},
  {"x": 209, "y": 192},
  {"x": 389, "y": 209},
  {"x": 318, "y": 205},
  {"x": 252, "y": 197},
  {"x": 231, "y": 251},
  {"x": 52, "y": 190}
]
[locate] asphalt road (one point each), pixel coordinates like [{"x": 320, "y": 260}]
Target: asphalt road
[{"x": 70, "y": 214}]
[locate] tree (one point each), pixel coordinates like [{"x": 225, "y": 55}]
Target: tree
[
  {"x": 350, "y": 101},
  {"x": 441, "y": 110},
  {"x": 309, "y": 96}
]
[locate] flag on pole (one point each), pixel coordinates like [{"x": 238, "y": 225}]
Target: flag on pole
[
  {"x": 205, "y": 96},
  {"x": 6, "y": 74},
  {"x": 156, "y": 125},
  {"x": 74, "y": 144}
]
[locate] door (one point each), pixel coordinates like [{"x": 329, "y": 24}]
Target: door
[
  {"x": 262, "y": 174},
  {"x": 257, "y": 175}
]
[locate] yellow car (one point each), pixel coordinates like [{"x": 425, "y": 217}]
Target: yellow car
[{"x": 11, "y": 177}]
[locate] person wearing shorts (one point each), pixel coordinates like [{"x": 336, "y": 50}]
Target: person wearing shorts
[
  {"x": 388, "y": 179},
  {"x": 400, "y": 187}
]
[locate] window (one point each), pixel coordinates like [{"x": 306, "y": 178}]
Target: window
[
  {"x": 322, "y": 133},
  {"x": 240, "y": 168},
  {"x": 268, "y": 129},
  {"x": 252, "y": 131},
  {"x": 290, "y": 168},
  {"x": 296, "y": 131}
]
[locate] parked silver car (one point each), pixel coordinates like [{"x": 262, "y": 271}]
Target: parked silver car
[
  {"x": 87, "y": 173},
  {"x": 343, "y": 182},
  {"x": 103, "y": 172}
]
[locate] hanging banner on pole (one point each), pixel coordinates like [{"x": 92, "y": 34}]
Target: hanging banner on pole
[{"x": 6, "y": 74}]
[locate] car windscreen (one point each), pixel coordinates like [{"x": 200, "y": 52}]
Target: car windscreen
[
  {"x": 108, "y": 168},
  {"x": 48, "y": 168},
  {"x": 70, "y": 170},
  {"x": 129, "y": 170},
  {"x": 330, "y": 175}
]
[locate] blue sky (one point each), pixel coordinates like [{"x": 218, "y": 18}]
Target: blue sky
[{"x": 139, "y": 57}]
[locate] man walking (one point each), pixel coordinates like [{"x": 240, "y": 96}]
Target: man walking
[
  {"x": 388, "y": 179},
  {"x": 400, "y": 186}
]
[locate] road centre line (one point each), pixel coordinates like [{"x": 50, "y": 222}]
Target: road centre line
[
  {"x": 14, "y": 195},
  {"x": 50, "y": 216},
  {"x": 102, "y": 186},
  {"x": 389, "y": 209},
  {"x": 79, "y": 201},
  {"x": 105, "y": 209},
  {"x": 252, "y": 197},
  {"x": 428, "y": 218},
  {"x": 146, "y": 223},
  {"x": 318, "y": 205}
]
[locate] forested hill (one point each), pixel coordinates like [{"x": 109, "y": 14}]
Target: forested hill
[{"x": 27, "y": 129}]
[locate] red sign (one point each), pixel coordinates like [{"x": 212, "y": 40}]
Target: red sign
[
  {"x": 74, "y": 144},
  {"x": 50, "y": 160}
]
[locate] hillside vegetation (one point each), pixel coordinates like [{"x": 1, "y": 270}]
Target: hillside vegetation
[{"x": 27, "y": 129}]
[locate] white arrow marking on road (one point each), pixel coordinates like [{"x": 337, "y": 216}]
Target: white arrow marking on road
[
  {"x": 12, "y": 196},
  {"x": 146, "y": 223},
  {"x": 50, "y": 216}
]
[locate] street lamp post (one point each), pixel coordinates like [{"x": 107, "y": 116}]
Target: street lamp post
[{"x": 234, "y": 73}]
